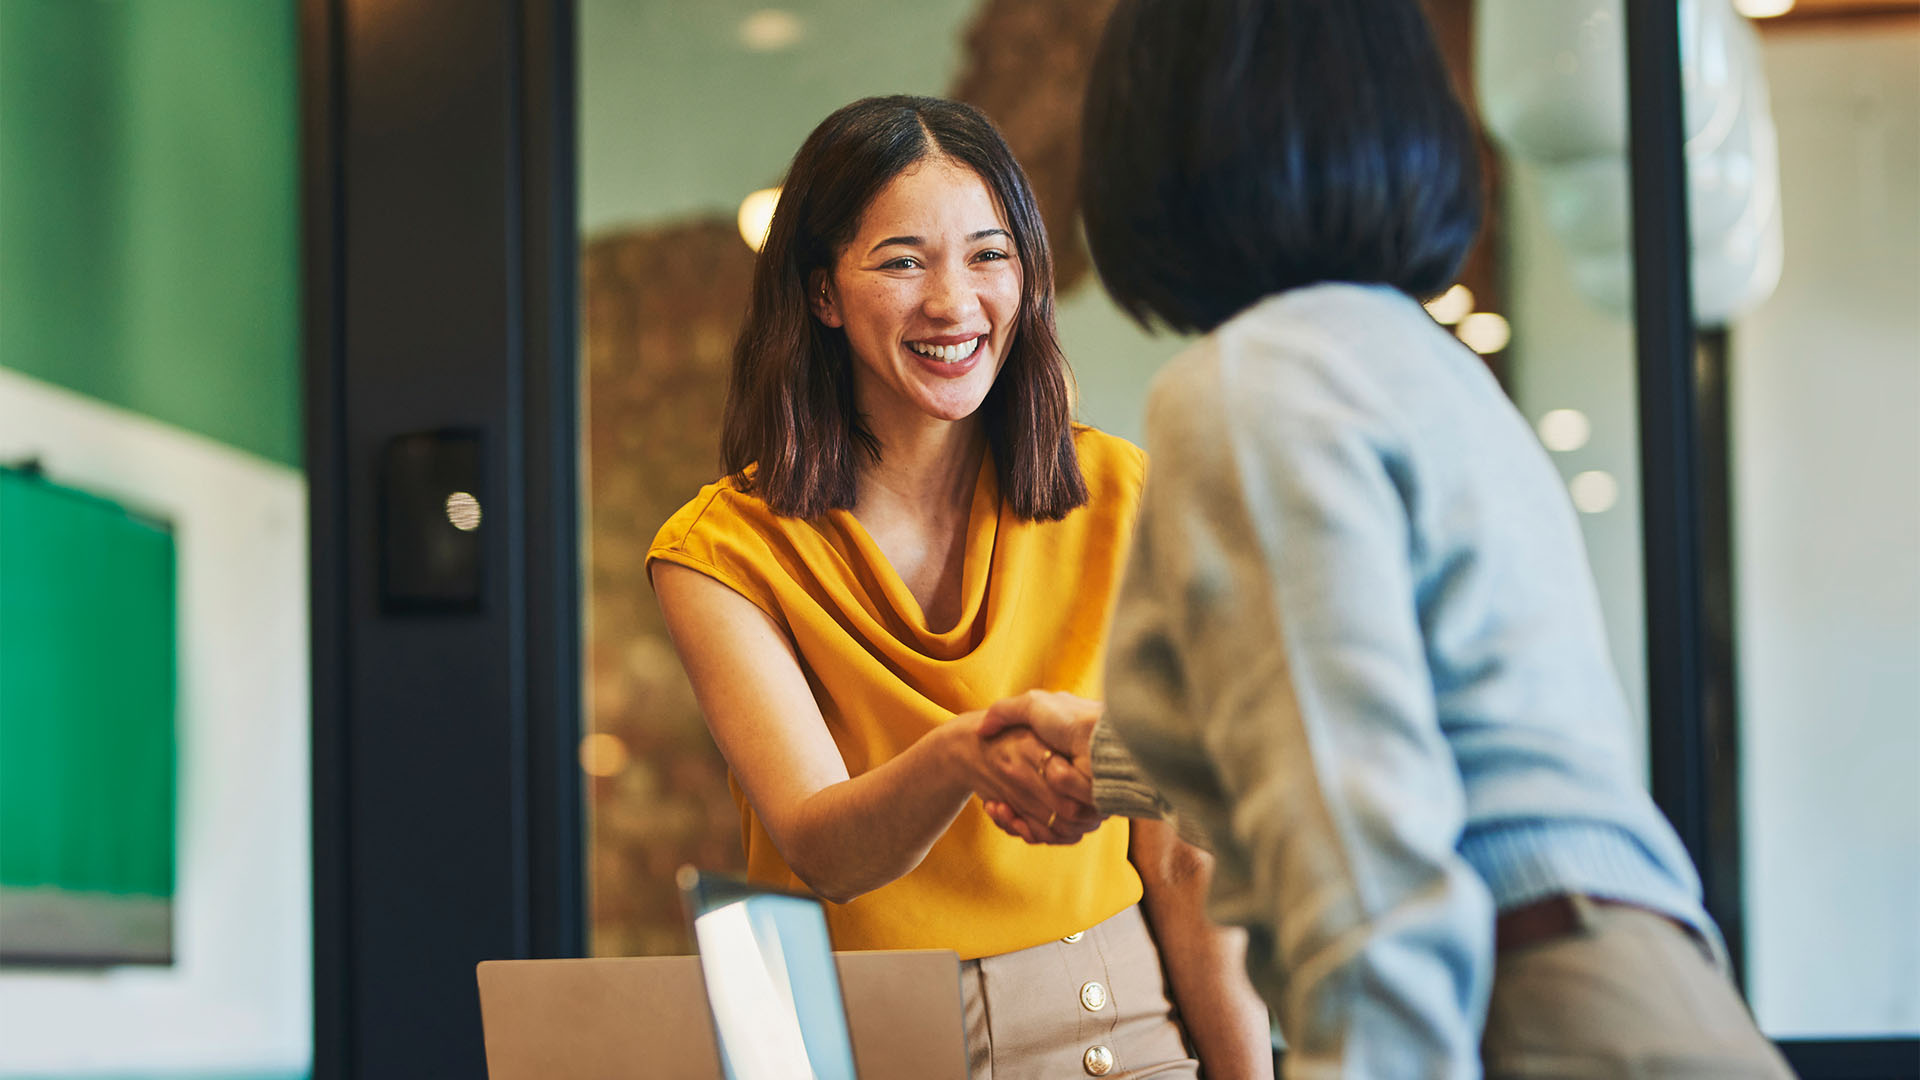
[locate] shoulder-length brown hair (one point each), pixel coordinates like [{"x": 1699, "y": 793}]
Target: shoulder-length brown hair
[{"x": 790, "y": 405}]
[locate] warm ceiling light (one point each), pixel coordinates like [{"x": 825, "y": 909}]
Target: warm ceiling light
[
  {"x": 1594, "y": 492},
  {"x": 1564, "y": 429},
  {"x": 1762, "y": 9},
  {"x": 756, "y": 216},
  {"x": 771, "y": 30},
  {"x": 1451, "y": 306},
  {"x": 1484, "y": 332}
]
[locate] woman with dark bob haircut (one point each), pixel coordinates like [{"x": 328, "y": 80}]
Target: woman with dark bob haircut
[
  {"x": 910, "y": 528},
  {"x": 1359, "y": 647}
]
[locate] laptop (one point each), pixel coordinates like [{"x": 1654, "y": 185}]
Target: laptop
[
  {"x": 782, "y": 1002},
  {"x": 771, "y": 983}
]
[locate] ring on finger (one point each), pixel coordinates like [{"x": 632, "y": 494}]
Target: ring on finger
[{"x": 1051, "y": 818}]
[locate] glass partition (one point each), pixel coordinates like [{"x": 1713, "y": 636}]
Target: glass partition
[{"x": 1551, "y": 94}]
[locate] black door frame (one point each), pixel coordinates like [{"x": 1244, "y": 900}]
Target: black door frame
[
  {"x": 440, "y": 265},
  {"x": 441, "y": 259}
]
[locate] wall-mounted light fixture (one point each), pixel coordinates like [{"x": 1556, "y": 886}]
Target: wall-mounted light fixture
[
  {"x": 1484, "y": 332},
  {"x": 1451, "y": 306},
  {"x": 1562, "y": 430},
  {"x": 771, "y": 30},
  {"x": 1594, "y": 492},
  {"x": 756, "y": 216},
  {"x": 604, "y": 755}
]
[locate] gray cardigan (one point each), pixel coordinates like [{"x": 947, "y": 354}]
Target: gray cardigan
[{"x": 1358, "y": 650}]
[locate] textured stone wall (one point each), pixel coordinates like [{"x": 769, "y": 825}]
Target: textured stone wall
[{"x": 661, "y": 306}]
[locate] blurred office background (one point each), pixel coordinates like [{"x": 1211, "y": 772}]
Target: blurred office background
[{"x": 152, "y": 271}]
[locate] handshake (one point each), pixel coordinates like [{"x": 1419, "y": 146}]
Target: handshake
[{"x": 1034, "y": 769}]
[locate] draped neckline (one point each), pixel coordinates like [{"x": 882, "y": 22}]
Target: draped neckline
[{"x": 887, "y": 591}]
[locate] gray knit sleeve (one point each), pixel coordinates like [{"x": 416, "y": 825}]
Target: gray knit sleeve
[{"x": 1121, "y": 789}]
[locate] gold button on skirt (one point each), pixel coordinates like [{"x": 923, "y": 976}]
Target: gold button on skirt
[{"x": 1094, "y": 1004}]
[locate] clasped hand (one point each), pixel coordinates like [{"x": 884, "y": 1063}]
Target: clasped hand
[{"x": 1038, "y": 766}]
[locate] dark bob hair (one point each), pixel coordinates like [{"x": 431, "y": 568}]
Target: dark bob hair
[
  {"x": 790, "y": 405},
  {"x": 1234, "y": 149}
]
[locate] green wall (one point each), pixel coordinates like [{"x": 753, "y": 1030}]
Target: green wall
[{"x": 149, "y": 209}]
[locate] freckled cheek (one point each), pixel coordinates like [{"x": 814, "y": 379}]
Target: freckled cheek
[{"x": 881, "y": 311}]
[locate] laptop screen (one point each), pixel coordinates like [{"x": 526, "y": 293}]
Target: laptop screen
[{"x": 771, "y": 981}]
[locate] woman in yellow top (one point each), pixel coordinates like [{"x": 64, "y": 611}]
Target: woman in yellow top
[{"x": 912, "y": 528}]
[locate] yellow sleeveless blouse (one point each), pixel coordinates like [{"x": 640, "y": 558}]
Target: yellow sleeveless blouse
[{"x": 1036, "y": 601}]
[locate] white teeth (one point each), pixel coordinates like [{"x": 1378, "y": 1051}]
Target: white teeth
[{"x": 946, "y": 354}]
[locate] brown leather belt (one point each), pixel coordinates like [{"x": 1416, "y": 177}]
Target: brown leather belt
[{"x": 1553, "y": 917}]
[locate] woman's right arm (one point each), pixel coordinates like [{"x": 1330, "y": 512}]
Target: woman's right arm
[{"x": 844, "y": 836}]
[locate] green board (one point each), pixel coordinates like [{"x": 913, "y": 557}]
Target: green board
[{"x": 87, "y": 736}]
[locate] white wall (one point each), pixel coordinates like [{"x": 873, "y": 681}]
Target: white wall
[
  {"x": 1825, "y": 389},
  {"x": 238, "y": 997}
]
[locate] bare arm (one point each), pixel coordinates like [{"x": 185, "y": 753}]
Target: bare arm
[
  {"x": 1205, "y": 963},
  {"x": 844, "y": 836}
]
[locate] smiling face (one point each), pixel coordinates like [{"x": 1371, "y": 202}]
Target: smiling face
[{"x": 928, "y": 293}]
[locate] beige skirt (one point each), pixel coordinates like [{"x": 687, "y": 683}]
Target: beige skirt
[{"x": 1092, "y": 1004}]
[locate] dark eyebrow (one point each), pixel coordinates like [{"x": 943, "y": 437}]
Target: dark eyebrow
[{"x": 915, "y": 241}]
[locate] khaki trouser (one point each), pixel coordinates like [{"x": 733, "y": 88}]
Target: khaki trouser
[
  {"x": 1626, "y": 995},
  {"x": 1093, "y": 1006}
]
